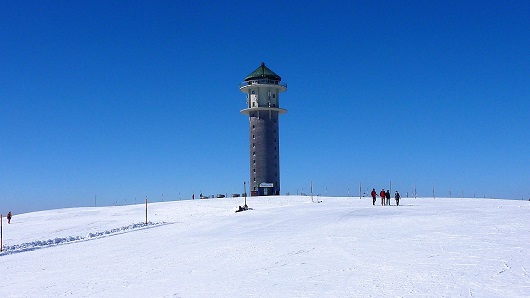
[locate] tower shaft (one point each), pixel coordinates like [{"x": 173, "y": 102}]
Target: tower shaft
[{"x": 264, "y": 153}]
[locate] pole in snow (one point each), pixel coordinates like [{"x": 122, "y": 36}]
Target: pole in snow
[
  {"x": 360, "y": 189},
  {"x": 245, "y": 191},
  {"x": 311, "y": 186},
  {"x": 1, "y": 233},
  {"x": 146, "y": 210}
]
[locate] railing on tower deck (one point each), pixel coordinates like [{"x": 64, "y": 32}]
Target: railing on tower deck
[{"x": 262, "y": 81}]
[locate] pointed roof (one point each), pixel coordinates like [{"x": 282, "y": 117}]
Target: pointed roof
[{"x": 263, "y": 72}]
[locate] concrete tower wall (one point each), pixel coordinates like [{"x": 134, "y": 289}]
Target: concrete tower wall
[
  {"x": 263, "y": 97},
  {"x": 264, "y": 152}
]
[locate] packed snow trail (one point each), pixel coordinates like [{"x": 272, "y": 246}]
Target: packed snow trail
[{"x": 38, "y": 244}]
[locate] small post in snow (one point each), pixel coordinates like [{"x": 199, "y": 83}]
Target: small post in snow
[
  {"x": 1, "y": 233},
  {"x": 311, "y": 186},
  {"x": 146, "y": 210},
  {"x": 360, "y": 189},
  {"x": 245, "y": 191}
]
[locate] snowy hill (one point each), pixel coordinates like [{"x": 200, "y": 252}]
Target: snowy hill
[{"x": 284, "y": 247}]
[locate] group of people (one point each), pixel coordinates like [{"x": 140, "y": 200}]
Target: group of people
[{"x": 385, "y": 197}]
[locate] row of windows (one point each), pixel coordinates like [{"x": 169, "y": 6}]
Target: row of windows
[
  {"x": 254, "y": 153},
  {"x": 254, "y": 144},
  {"x": 254, "y": 137},
  {"x": 254, "y": 104},
  {"x": 268, "y": 93},
  {"x": 254, "y": 127}
]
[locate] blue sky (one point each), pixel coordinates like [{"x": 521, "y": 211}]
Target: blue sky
[{"x": 127, "y": 99}]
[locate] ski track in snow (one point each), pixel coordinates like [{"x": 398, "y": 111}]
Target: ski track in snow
[{"x": 38, "y": 244}]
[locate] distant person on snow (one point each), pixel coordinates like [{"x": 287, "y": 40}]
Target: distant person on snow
[
  {"x": 382, "y": 194},
  {"x": 387, "y": 195},
  {"x": 9, "y": 217},
  {"x": 397, "y": 197},
  {"x": 374, "y": 196}
]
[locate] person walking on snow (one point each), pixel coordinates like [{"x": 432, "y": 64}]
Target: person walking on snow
[
  {"x": 374, "y": 196},
  {"x": 387, "y": 195},
  {"x": 382, "y": 194},
  {"x": 9, "y": 217},
  {"x": 397, "y": 197}
]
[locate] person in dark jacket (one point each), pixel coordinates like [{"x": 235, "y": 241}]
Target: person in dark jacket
[
  {"x": 9, "y": 217},
  {"x": 387, "y": 195},
  {"x": 374, "y": 196},
  {"x": 397, "y": 197}
]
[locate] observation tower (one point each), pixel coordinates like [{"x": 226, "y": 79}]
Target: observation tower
[{"x": 263, "y": 88}]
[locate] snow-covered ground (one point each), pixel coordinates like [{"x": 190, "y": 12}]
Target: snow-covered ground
[{"x": 284, "y": 247}]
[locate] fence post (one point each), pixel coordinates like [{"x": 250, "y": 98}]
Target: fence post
[{"x": 146, "y": 210}]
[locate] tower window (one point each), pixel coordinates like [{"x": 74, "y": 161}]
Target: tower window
[
  {"x": 273, "y": 95},
  {"x": 253, "y": 136},
  {"x": 253, "y": 92}
]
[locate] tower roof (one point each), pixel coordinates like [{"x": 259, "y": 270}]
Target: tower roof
[{"x": 263, "y": 72}]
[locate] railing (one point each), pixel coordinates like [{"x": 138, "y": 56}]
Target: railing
[{"x": 262, "y": 81}]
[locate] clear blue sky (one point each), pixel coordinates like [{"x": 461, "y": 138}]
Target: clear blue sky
[{"x": 127, "y": 99}]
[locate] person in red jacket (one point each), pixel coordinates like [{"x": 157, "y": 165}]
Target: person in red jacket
[
  {"x": 382, "y": 194},
  {"x": 374, "y": 196}
]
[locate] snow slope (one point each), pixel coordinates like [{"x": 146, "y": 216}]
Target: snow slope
[{"x": 284, "y": 247}]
